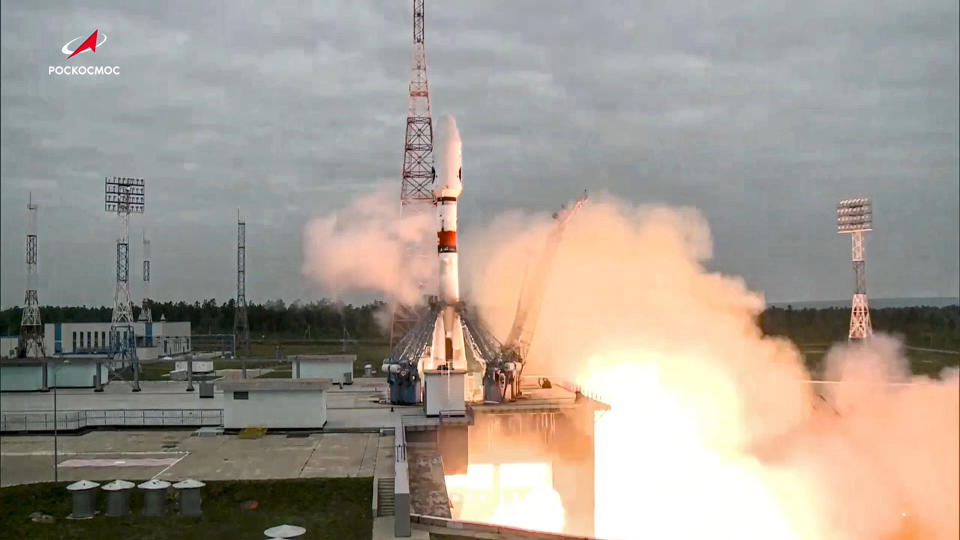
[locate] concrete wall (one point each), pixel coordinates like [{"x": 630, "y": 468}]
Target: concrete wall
[
  {"x": 275, "y": 409},
  {"x": 443, "y": 392},
  {"x": 199, "y": 366},
  {"x": 401, "y": 483},
  {"x": 562, "y": 439},
  {"x": 30, "y": 377},
  {"x": 332, "y": 368},
  {"x": 76, "y": 375},
  {"x": 20, "y": 378}
]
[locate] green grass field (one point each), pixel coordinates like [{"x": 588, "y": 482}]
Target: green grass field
[
  {"x": 367, "y": 353},
  {"x": 921, "y": 362},
  {"x": 327, "y": 507},
  {"x": 262, "y": 355}
]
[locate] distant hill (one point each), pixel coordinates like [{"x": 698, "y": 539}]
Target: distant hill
[{"x": 936, "y": 301}]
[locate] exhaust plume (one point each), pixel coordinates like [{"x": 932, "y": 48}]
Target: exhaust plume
[{"x": 715, "y": 430}]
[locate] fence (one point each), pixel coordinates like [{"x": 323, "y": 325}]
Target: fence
[{"x": 74, "y": 420}]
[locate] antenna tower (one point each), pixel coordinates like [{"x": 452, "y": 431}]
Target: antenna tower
[
  {"x": 31, "y": 329},
  {"x": 124, "y": 196},
  {"x": 146, "y": 313},
  {"x": 241, "y": 327},
  {"x": 855, "y": 217},
  {"x": 416, "y": 193}
]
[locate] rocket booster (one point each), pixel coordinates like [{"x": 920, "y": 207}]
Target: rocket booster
[
  {"x": 447, "y": 194},
  {"x": 446, "y": 191}
]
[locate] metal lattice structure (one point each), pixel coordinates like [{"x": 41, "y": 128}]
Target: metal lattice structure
[
  {"x": 31, "y": 328},
  {"x": 416, "y": 195},
  {"x": 241, "y": 326},
  {"x": 855, "y": 217},
  {"x": 146, "y": 313},
  {"x": 124, "y": 196},
  {"x": 418, "y": 166}
]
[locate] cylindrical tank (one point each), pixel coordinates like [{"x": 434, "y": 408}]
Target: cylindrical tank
[
  {"x": 84, "y": 495},
  {"x": 154, "y": 497},
  {"x": 285, "y": 531},
  {"x": 189, "y": 495},
  {"x": 118, "y": 498}
]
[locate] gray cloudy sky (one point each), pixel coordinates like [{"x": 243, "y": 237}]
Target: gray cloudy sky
[{"x": 761, "y": 114}]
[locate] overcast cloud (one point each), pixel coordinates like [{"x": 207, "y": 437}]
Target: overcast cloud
[{"x": 761, "y": 114}]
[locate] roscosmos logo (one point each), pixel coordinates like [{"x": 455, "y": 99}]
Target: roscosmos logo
[
  {"x": 89, "y": 44},
  {"x": 71, "y": 49}
]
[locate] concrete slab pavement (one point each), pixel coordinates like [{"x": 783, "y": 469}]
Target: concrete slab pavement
[{"x": 26, "y": 459}]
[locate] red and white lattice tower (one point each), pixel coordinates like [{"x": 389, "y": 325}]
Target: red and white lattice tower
[
  {"x": 416, "y": 194},
  {"x": 855, "y": 217},
  {"x": 31, "y": 329}
]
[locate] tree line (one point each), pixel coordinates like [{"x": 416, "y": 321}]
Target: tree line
[
  {"x": 935, "y": 327},
  {"x": 922, "y": 326},
  {"x": 314, "y": 320}
]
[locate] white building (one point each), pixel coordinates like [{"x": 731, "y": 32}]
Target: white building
[
  {"x": 275, "y": 403},
  {"x": 336, "y": 367},
  {"x": 92, "y": 339}
]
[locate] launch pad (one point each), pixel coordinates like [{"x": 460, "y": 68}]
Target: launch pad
[{"x": 471, "y": 471}]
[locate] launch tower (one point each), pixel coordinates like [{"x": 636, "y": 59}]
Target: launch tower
[{"x": 416, "y": 193}]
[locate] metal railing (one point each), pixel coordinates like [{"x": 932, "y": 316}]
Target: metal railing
[{"x": 74, "y": 420}]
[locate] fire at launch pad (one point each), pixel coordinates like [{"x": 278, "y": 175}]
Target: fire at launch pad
[{"x": 707, "y": 428}]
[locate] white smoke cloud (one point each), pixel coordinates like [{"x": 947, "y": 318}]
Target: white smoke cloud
[
  {"x": 715, "y": 431},
  {"x": 370, "y": 247}
]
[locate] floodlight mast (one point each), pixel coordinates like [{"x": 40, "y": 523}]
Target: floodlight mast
[
  {"x": 123, "y": 196},
  {"x": 855, "y": 217}
]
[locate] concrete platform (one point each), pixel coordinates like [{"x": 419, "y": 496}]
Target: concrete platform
[
  {"x": 365, "y": 392},
  {"x": 106, "y": 455}
]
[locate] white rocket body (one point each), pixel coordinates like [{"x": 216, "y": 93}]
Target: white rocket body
[{"x": 448, "y": 344}]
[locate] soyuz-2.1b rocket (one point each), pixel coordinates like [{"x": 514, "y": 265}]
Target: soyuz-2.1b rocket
[{"x": 448, "y": 351}]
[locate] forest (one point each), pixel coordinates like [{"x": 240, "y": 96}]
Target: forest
[{"x": 933, "y": 327}]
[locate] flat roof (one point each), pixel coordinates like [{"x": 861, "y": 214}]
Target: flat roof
[
  {"x": 326, "y": 357},
  {"x": 274, "y": 385},
  {"x": 60, "y": 359}
]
